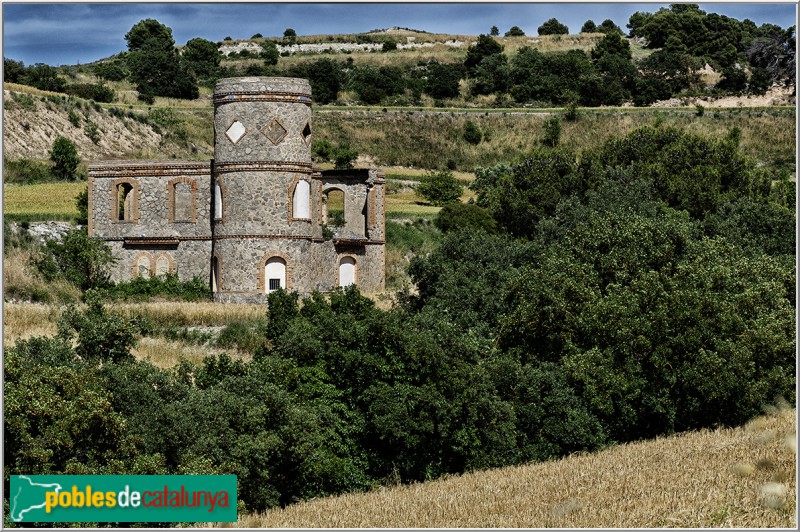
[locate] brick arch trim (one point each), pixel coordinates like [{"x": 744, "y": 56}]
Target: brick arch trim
[
  {"x": 339, "y": 263},
  {"x": 171, "y": 268},
  {"x": 224, "y": 194},
  {"x": 135, "y": 265},
  {"x": 262, "y": 282},
  {"x": 171, "y": 195},
  {"x": 290, "y": 199},
  {"x": 115, "y": 183}
]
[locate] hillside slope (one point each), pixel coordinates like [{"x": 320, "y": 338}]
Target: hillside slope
[{"x": 742, "y": 477}]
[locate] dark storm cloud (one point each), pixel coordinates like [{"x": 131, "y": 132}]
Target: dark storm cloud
[{"x": 72, "y": 33}]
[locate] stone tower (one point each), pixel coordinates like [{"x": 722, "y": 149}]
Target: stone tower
[
  {"x": 258, "y": 217},
  {"x": 262, "y": 185}
]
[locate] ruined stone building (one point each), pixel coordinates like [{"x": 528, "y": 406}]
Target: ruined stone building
[{"x": 255, "y": 218}]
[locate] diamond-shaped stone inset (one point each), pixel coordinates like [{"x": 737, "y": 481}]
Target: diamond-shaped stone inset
[
  {"x": 235, "y": 131},
  {"x": 274, "y": 131},
  {"x": 307, "y": 133}
]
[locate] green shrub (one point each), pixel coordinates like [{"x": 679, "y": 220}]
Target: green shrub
[
  {"x": 472, "y": 133},
  {"x": 98, "y": 92},
  {"x": 552, "y": 132},
  {"x": 101, "y": 335},
  {"x": 25, "y": 171},
  {"x": 242, "y": 335},
  {"x": 92, "y": 131},
  {"x": 439, "y": 188},
  {"x": 344, "y": 156},
  {"x": 145, "y": 287},
  {"x": 64, "y": 155},
  {"x": 79, "y": 259},
  {"x": 457, "y": 216}
]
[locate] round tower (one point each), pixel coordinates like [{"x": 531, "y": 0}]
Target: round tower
[{"x": 262, "y": 226}]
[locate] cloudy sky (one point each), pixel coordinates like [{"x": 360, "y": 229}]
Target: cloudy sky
[{"x": 81, "y": 33}]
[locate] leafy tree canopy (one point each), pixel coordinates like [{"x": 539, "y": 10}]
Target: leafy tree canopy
[{"x": 553, "y": 27}]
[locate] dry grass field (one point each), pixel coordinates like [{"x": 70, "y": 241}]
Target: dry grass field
[
  {"x": 732, "y": 478},
  {"x": 25, "y": 320}
]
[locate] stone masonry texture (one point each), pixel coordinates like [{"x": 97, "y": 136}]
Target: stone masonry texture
[{"x": 163, "y": 216}]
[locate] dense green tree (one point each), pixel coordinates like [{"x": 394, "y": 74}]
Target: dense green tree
[
  {"x": 202, "y": 57},
  {"x": 484, "y": 47},
  {"x": 612, "y": 44},
  {"x": 553, "y": 27},
  {"x": 289, "y": 35},
  {"x": 539, "y": 182},
  {"x": 733, "y": 80},
  {"x": 269, "y": 53},
  {"x": 439, "y": 187},
  {"x": 589, "y": 27},
  {"x": 442, "y": 80},
  {"x": 515, "y": 31},
  {"x": 150, "y": 34},
  {"x": 155, "y": 65},
  {"x": 472, "y": 133},
  {"x": 64, "y": 155},
  {"x": 43, "y": 77},
  {"x": 374, "y": 84},
  {"x": 494, "y": 32},
  {"x": 325, "y": 77},
  {"x": 679, "y": 71},
  {"x": 774, "y": 51},
  {"x": 12, "y": 70},
  {"x": 101, "y": 335},
  {"x": 455, "y": 216},
  {"x": 491, "y": 75},
  {"x": 78, "y": 258},
  {"x": 608, "y": 26}
]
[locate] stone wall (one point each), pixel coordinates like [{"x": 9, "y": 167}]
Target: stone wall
[{"x": 168, "y": 204}]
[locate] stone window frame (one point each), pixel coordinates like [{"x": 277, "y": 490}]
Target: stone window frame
[
  {"x": 171, "y": 201},
  {"x": 290, "y": 200},
  {"x": 218, "y": 278},
  {"x": 223, "y": 193},
  {"x": 235, "y": 119},
  {"x": 283, "y": 137},
  {"x": 135, "y": 265},
  {"x": 115, "y": 183},
  {"x": 171, "y": 267},
  {"x": 262, "y": 281},
  {"x": 323, "y": 201},
  {"x": 355, "y": 269},
  {"x": 307, "y": 138}
]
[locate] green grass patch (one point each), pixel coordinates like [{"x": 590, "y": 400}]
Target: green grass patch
[{"x": 42, "y": 201}]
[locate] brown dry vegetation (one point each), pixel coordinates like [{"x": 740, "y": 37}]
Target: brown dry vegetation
[{"x": 740, "y": 478}]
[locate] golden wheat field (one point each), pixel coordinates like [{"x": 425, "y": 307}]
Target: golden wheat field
[{"x": 740, "y": 478}]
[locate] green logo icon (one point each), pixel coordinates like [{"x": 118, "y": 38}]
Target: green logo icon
[{"x": 122, "y": 498}]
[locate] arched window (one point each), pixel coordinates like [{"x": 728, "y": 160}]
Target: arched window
[
  {"x": 301, "y": 200},
  {"x": 333, "y": 208},
  {"x": 162, "y": 265},
  {"x": 181, "y": 192},
  {"x": 143, "y": 266},
  {"x": 347, "y": 271},
  {"x": 125, "y": 199},
  {"x": 274, "y": 274},
  {"x": 217, "y": 201}
]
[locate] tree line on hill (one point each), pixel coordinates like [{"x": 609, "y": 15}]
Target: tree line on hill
[
  {"x": 585, "y": 299},
  {"x": 684, "y": 38}
]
